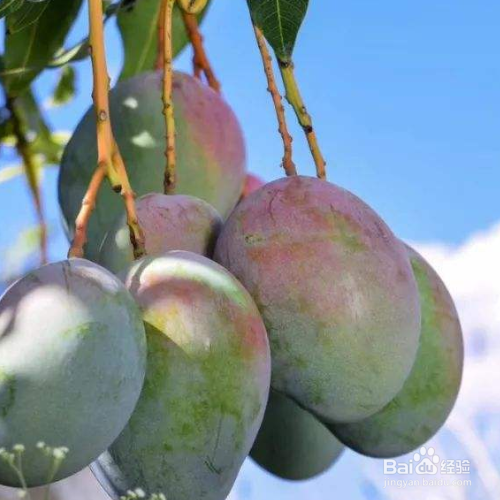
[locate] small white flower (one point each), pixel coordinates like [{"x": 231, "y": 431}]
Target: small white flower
[
  {"x": 140, "y": 493},
  {"x": 40, "y": 445},
  {"x": 59, "y": 453},
  {"x": 19, "y": 448}
]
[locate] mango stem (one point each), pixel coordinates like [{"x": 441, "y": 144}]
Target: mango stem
[
  {"x": 168, "y": 104},
  {"x": 287, "y": 162},
  {"x": 201, "y": 63},
  {"x": 110, "y": 163},
  {"x": 294, "y": 97}
]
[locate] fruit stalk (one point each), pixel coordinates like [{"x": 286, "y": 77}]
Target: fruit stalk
[
  {"x": 294, "y": 97},
  {"x": 30, "y": 168},
  {"x": 168, "y": 105},
  {"x": 110, "y": 163},
  {"x": 161, "y": 37},
  {"x": 201, "y": 62},
  {"x": 267, "y": 60}
]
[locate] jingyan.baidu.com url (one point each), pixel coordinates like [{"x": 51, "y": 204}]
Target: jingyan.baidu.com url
[{"x": 418, "y": 483}]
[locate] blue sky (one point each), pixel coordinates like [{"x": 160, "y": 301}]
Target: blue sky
[
  {"x": 404, "y": 95},
  {"x": 405, "y": 98}
]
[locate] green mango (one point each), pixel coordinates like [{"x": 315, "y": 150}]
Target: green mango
[
  {"x": 210, "y": 151},
  {"x": 430, "y": 392},
  {"x": 72, "y": 365},
  {"x": 292, "y": 444}
]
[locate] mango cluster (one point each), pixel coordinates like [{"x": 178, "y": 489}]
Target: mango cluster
[{"x": 283, "y": 321}]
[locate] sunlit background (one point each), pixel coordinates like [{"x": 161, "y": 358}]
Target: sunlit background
[{"x": 406, "y": 102}]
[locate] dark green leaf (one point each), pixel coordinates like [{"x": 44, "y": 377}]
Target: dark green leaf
[
  {"x": 138, "y": 26},
  {"x": 9, "y": 6},
  {"x": 28, "y": 14},
  {"x": 35, "y": 46},
  {"x": 65, "y": 89},
  {"x": 280, "y": 22}
]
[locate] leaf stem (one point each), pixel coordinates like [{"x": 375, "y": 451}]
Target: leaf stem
[
  {"x": 201, "y": 62},
  {"x": 267, "y": 60},
  {"x": 23, "y": 148},
  {"x": 168, "y": 104},
  {"x": 110, "y": 163},
  {"x": 295, "y": 99}
]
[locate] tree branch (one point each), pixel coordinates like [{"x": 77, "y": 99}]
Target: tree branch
[
  {"x": 201, "y": 62},
  {"x": 110, "y": 163},
  {"x": 267, "y": 60}
]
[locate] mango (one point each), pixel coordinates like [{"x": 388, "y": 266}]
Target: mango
[
  {"x": 292, "y": 444},
  {"x": 72, "y": 365},
  {"x": 206, "y": 387},
  {"x": 175, "y": 222},
  {"x": 429, "y": 394},
  {"x": 211, "y": 156},
  {"x": 335, "y": 289}
]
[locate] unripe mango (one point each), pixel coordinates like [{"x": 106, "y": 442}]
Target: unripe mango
[
  {"x": 206, "y": 387},
  {"x": 72, "y": 365},
  {"x": 292, "y": 444},
  {"x": 174, "y": 222},
  {"x": 210, "y": 150},
  {"x": 428, "y": 396},
  {"x": 335, "y": 289}
]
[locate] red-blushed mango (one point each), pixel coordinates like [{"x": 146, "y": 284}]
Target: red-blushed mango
[
  {"x": 429, "y": 394},
  {"x": 292, "y": 444},
  {"x": 207, "y": 382},
  {"x": 252, "y": 183},
  {"x": 335, "y": 289},
  {"x": 174, "y": 222},
  {"x": 210, "y": 150},
  {"x": 72, "y": 365}
]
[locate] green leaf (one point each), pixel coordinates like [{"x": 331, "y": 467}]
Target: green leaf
[
  {"x": 11, "y": 172},
  {"x": 138, "y": 26},
  {"x": 34, "y": 47},
  {"x": 65, "y": 89},
  {"x": 28, "y": 14},
  {"x": 280, "y": 22},
  {"x": 9, "y": 6},
  {"x": 76, "y": 53},
  {"x": 45, "y": 143}
]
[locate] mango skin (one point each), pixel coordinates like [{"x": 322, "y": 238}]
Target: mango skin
[
  {"x": 429, "y": 394},
  {"x": 206, "y": 387},
  {"x": 252, "y": 184},
  {"x": 292, "y": 444},
  {"x": 211, "y": 157},
  {"x": 335, "y": 289},
  {"x": 174, "y": 222},
  {"x": 72, "y": 365}
]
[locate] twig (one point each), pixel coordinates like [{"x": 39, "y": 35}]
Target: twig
[
  {"x": 30, "y": 169},
  {"x": 88, "y": 205},
  {"x": 110, "y": 163},
  {"x": 168, "y": 104},
  {"x": 288, "y": 163},
  {"x": 160, "y": 55},
  {"x": 295, "y": 99},
  {"x": 201, "y": 62}
]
